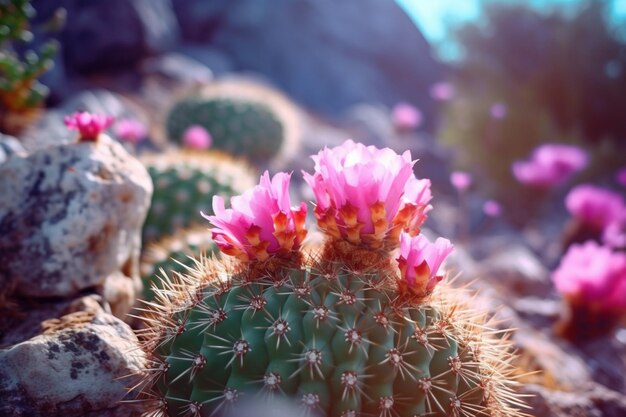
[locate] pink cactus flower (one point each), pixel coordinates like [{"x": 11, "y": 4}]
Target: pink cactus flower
[
  {"x": 550, "y": 165},
  {"x": 593, "y": 275},
  {"x": 89, "y": 125},
  {"x": 492, "y": 208},
  {"x": 197, "y": 137},
  {"x": 620, "y": 176},
  {"x": 419, "y": 261},
  {"x": 442, "y": 91},
  {"x": 461, "y": 180},
  {"x": 367, "y": 195},
  {"x": 498, "y": 111},
  {"x": 595, "y": 206},
  {"x": 614, "y": 234},
  {"x": 130, "y": 130},
  {"x": 406, "y": 117},
  {"x": 261, "y": 222}
]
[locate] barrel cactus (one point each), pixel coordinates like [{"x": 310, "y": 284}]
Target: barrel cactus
[
  {"x": 355, "y": 328},
  {"x": 182, "y": 180},
  {"x": 243, "y": 119}
]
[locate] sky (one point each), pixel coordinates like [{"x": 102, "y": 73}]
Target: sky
[{"x": 434, "y": 16}]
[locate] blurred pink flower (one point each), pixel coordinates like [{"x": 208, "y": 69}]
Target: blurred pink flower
[
  {"x": 442, "y": 91},
  {"x": 368, "y": 195},
  {"x": 614, "y": 234},
  {"x": 89, "y": 125},
  {"x": 550, "y": 165},
  {"x": 620, "y": 176},
  {"x": 492, "y": 208},
  {"x": 130, "y": 130},
  {"x": 461, "y": 180},
  {"x": 595, "y": 206},
  {"x": 593, "y": 274},
  {"x": 419, "y": 261},
  {"x": 260, "y": 222},
  {"x": 197, "y": 137},
  {"x": 498, "y": 110},
  {"x": 406, "y": 117}
]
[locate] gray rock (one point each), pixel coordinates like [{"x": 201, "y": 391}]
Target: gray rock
[
  {"x": 80, "y": 366},
  {"x": 177, "y": 67},
  {"x": 594, "y": 401},
  {"x": 74, "y": 217},
  {"x": 218, "y": 62},
  {"x": 10, "y": 146},
  {"x": 328, "y": 55}
]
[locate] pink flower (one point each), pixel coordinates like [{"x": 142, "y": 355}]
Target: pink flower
[
  {"x": 593, "y": 274},
  {"x": 498, "y": 111},
  {"x": 367, "y": 195},
  {"x": 492, "y": 208},
  {"x": 461, "y": 180},
  {"x": 550, "y": 165},
  {"x": 614, "y": 234},
  {"x": 595, "y": 206},
  {"x": 89, "y": 125},
  {"x": 197, "y": 137},
  {"x": 620, "y": 176},
  {"x": 419, "y": 261},
  {"x": 442, "y": 91},
  {"x": 406, "y": 117},
  {"x": 130, "y": 130},
  {"x": 261, "y": 222}
]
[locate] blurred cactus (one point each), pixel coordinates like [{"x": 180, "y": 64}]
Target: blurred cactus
[
  {"x": 20, "y": 92},
  {"x": 183, "y": 183}
]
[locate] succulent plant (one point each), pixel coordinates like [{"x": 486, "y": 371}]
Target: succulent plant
[
  {"x": 182, "y": 181},
  {"x": 20, "y": 92},
  {"x": 242, "y": 118},
  {"x": 353, "y": 329}
]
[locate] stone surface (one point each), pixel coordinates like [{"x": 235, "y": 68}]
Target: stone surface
[
  {"x": 589, "y": 400},
  {"x": 120, "y": 291},
  {"x": 10, "y": 146},
  {"x": 218, "y": 62},
  {"x": 328, "y": 55},
  {"x": 80, "y": 366},
  {"x": 74, "y": 218},
  {"x": 177, "y": 67}
]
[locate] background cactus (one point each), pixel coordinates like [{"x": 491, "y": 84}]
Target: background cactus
[
  {"x": 243, "y": 118},
  {"x": 174, "y": 254},
  {"x": 182, "y": 182}
]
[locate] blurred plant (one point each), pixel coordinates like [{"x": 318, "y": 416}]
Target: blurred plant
[
  {"x": 550, "y": 165},
  {"x": 442, "y": 91},
  {"x": 406, "y": 117},
  {"x": 592, "y": 279},
  {"x": 20, "y": 92},
  {"x": 130, "y": 130},
  {"x": 492, "y": 208},
  {"x": 620, "y": 176},
  {"x": 526, "y": 77},
  {"x": 462, "y": 181},
  {"x": 197, "y": 137}
]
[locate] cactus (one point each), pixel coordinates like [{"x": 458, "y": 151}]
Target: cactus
[
  {"x": 20, "y": 92},
  {"x": 174, "y": 254},
  {"x": 182, "y": 180},
  {"x": 243, "y": 118},
  {"x": 350, "y": 330}
]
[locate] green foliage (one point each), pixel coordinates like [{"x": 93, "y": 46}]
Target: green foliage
[
  {"x": 337, "y": 341},
  {"x": 184, "y": 185},
  {"x": 238, "y": 126},
  {"x": 19, "y": 88}
]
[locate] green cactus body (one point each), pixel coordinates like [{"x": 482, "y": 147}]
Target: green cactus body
[
  {"x": 182, "y": 182},
  {"x": 174, "y": 254},
  {"x": 238, "y": 127},
  {"x": 339, "y": 342}
]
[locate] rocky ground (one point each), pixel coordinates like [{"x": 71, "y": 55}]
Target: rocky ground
[{"x": 70, "y": 232}]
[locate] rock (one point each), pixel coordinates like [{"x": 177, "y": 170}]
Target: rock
[
  {"x": 74, "y": 218},
  {"x": 218, "y": 62},
  {"x": 328, "y": 55},
  {"x": 120, "y": 292},
  {"x": 177, "y": 67},
  {"x": 10, "y": 146},
  {"x": 114, "y": 34},
  {"x": 80, "y": 366},
  {"x": 590, "y": 400}
]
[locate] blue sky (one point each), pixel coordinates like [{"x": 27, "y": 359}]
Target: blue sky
[{"x": 434, "y": 16}]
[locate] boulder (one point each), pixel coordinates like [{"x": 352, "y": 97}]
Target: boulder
[
  {"x": 80, "y": 366},
  {"x": 328, "y": 55},
  {"x": 73, "y": 219}
]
